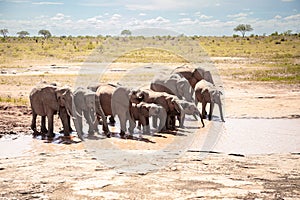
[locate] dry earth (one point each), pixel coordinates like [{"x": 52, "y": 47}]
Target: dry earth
[{"x": 60, "y": 170}]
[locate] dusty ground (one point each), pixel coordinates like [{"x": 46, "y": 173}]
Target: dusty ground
[{"x": 60, "y": 171}]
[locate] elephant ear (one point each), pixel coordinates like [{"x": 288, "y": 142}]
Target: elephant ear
[
  {"x": 198, "y": 74},
  {"x": 59, "y": 96},
  {"x": 177, "y": 105},
  {"x": 180, "y": 87}
]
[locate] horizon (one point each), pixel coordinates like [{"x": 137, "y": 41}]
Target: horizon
[{"x": 169, "y": 17}]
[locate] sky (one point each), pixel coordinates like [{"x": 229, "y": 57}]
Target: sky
[{"x": 149, "y": 17}]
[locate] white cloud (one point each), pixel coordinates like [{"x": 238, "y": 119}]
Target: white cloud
[
  {"x": 183, "y": 14},
  {"x": 94, "y": 20},
  {"x": 205, "y": 17},
  {"x": 157, "y": 21},
  {"x": 187, "y": 21},
  {"x": 202, "y": 16},
  {"x": 293, "y": 17},
  {"x": 47, "y": 3},
  {"x": 238, "y": 15},
  {"x": 287, "y": 0},
  {"x": 277, "y": 17},
  {"x": 115, "y": 17},
  {"x": 142, "y": 14},
  {"x": 59, "y": 16}
]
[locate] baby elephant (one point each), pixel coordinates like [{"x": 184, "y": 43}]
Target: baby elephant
[
  {"x": 206, "y": 92},
  {"x": 142, "y": 111},
  {"x": 188, "y": 108}
]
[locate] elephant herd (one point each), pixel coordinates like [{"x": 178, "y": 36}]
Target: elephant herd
[{"x": 169, "y": 98}]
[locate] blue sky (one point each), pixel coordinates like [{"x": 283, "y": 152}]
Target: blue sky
[{"x": 109, "y": 17}]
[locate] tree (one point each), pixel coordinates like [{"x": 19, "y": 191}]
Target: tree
[
  {"x": 45, "y": 33},
  {"x": 243, "y": 28},
  {"x": 23, "y": 34},
  {"x": 4, "y": 32},
  {"x": 126, "y": 32},
  {"x": 288, "y": 32}
]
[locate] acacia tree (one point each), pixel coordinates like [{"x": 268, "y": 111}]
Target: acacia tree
[
  {"x": 4, "y": 32},
  {"x": 126, "y": 32},
  {"x": 23, "y": 34},
  {"x": 45, "y": 33},
  {"x": 243, "y": 28}
]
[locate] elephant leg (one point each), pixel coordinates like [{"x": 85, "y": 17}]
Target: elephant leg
[
  {"x": 181, "y": 120},
  {"x": 50, "y": 133},
  {"x": 211, "y": 108},
  {"x": 64, "y": 120},
  {"x": 204, "y": 109},
  {"x": 168, "y": 122},
  {"x": 154, "y": 121},
  {"x": 173, "y": 121},
  {"x": 139, "y": 125},
  {"x": 162, "y": 121},
  {"x": 69, "y": 123},
  {"x": 43, "y": 125},
  {"x": 146, "y": 128},
  {"x": 33, "y": 124},
  {"x": 131, "y": 127},
  {"x": 112, "y": 120},
  {"x": 122, "y": 119},
  {"x": 105, "y": 128},
  {"x": 78, "y": 125},
  {"x": 88, "y": 117},
  {"x": 132, "y": 124}
]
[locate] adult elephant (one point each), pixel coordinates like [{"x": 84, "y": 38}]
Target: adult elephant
[
  {"x": 48, "y": 100},
  {"x": 194, "y": 75},
  {"x": 103, "y": 98},
  {"x": 167, "y": 101},
  {"x": 121, "y": 101},
  {"x": 173, "y": 84},
  {"x": 206, "y": 92},
  {"x": 84, "y": 106}
]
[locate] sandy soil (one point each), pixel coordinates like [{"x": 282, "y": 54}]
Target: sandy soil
[{"x": 68, "y": 170}]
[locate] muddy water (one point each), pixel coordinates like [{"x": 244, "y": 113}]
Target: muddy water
[
  {"x": 25, "y": 145},
  {"x": 239, "y": 136},
  {"x": 259, "y": 136}
]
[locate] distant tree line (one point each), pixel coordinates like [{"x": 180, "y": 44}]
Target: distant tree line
[
  {"x": 45, "y": 33},
  {"x": 242, "y": 28}
]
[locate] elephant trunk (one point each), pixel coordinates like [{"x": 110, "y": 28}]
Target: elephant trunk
[
  {"x": 201, "y": 117},
  {"x": 221, "y": 112}
]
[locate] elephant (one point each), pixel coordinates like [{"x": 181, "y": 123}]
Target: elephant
[
  {"x": 121, "y": 101},
  {"x": 194, "y": 75},
  {"x": 188, "y": 108},
  {"x": 84, "y": 103},
  {"x": 103, "y": 97},
  {"x": 167, "y": 101},
  {"x": 206, "y": 92},
  {"x": 48, "y": 100},
  {"x": 142, "y": 111},
  {"x": 173, "y": 84}
]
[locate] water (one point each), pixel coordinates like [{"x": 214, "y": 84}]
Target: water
[
  {"x": 259, "y": 136},
  {"x": 239, "y": 136}
]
